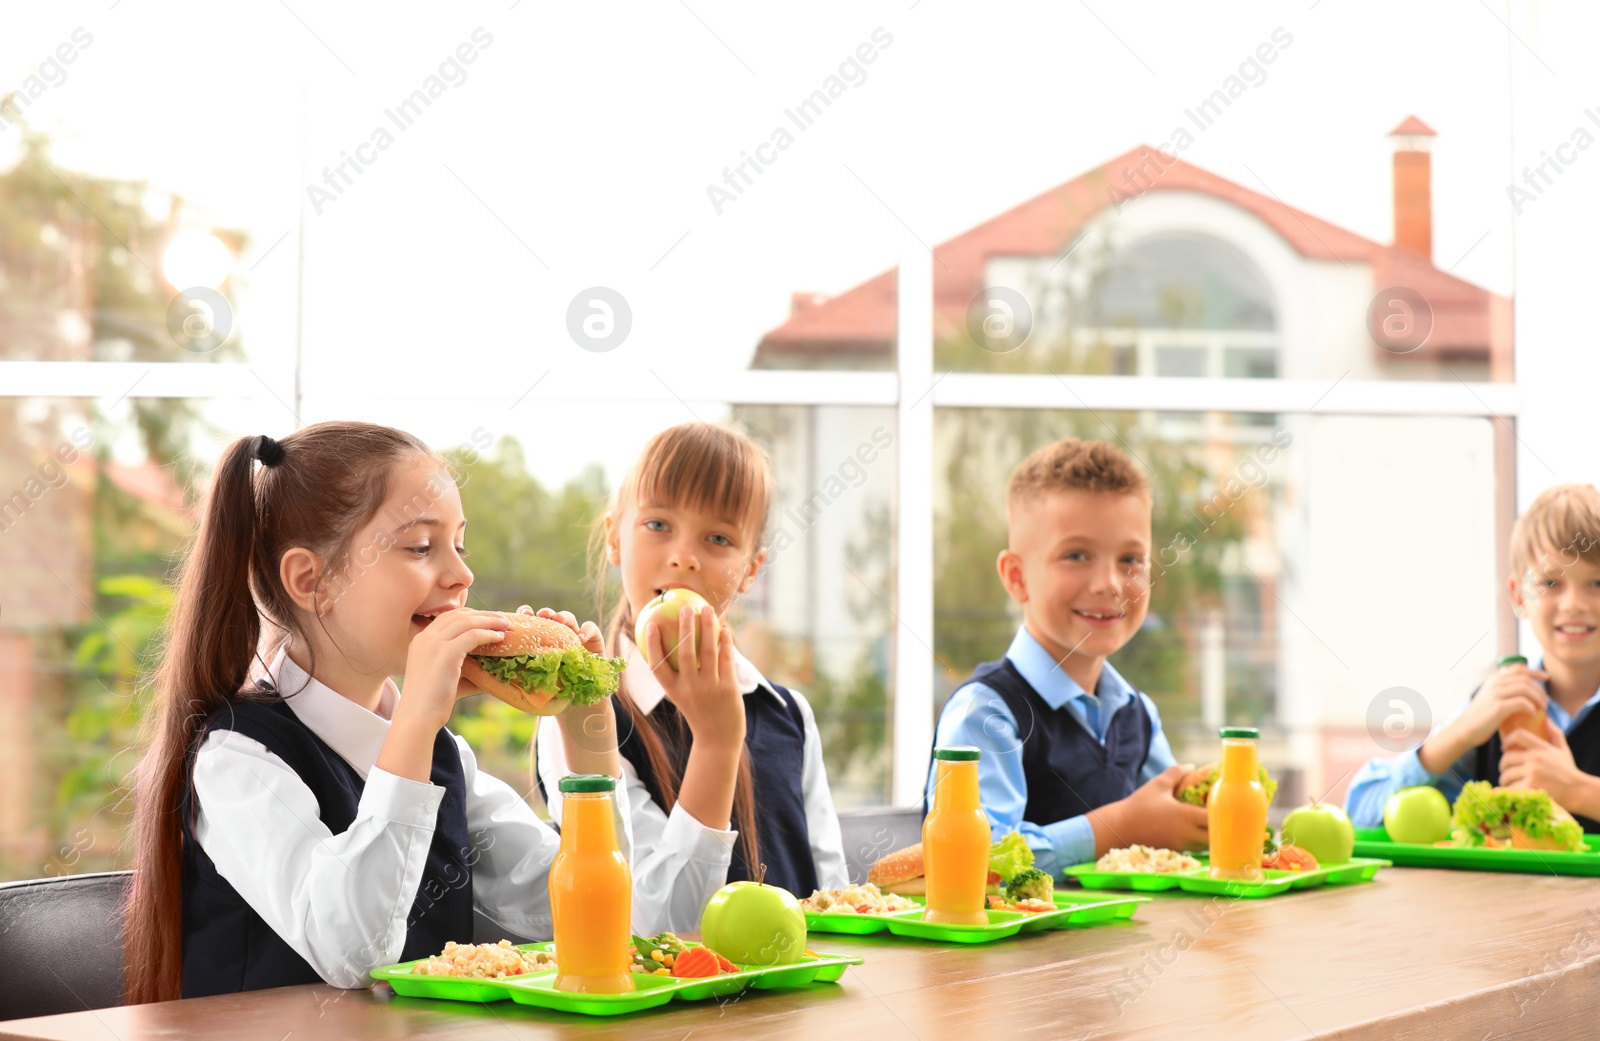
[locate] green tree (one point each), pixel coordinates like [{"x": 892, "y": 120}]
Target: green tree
[
  {"x": 527, "y": 544},
  {"x": 92, "y": 798},
  {"x": 80, "y": 281}
]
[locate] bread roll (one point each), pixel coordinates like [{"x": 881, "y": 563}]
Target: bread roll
[
  {"x": 898, "y": 868},
  {"x": 904, "y": 873}
]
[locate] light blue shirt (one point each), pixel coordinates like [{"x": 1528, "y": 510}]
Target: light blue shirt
[
  {"x": 1380, "y": 778},
  {"x": 977, "y": 715}
]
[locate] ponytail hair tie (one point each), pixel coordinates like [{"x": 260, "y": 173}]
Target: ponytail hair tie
[{"x": 269, "y": 451}]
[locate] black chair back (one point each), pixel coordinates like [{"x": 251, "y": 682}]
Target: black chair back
[
  {"x": 61, "y": 943},
  {"x": 869, "y": 834}
]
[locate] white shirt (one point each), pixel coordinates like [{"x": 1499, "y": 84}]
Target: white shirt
[
  {"x": 681, "y": 862},
  {"x": 341, "y": 901}
]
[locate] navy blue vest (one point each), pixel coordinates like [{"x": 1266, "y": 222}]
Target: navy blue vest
[
  {"x": 1067, "y": 771},
  {"x": 1483, "y": 763},
  {"x": 775, "y": 736},
  {"x": 227, "y": 947}
]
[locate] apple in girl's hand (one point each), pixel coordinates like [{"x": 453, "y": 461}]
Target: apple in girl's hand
[
  {"x": 754, "y": 924},
  {"x": 1322, "y": 830},
  {"x": 1420, "y": 814},
  {"x": 663, "y": 610}
]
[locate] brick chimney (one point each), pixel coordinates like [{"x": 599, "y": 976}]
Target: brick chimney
[{"x": 1413, "y": 186}]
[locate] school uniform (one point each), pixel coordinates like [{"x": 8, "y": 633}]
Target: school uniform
[
  {"x": 305, "y": 862},
  {"x": 1051, "y": 750},
  {"x": 1380, "y": 778},
  {"x": 681, "y": 862}
]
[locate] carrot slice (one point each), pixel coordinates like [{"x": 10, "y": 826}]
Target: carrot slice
[{"x": 696, "y": 962}]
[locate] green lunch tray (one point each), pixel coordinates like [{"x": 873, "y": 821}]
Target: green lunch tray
[
  {"x": 1375, "y": 842},
  {"x": 1072, "y": 909},
  {"x": 1356, "y": 869},
  {"x": 649, "y": 991},
  {"x": 1138, "y": 881}
]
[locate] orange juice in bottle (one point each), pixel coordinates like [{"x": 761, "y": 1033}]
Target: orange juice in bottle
[
  {"x": 955, "y": 842},
  {"x": 591, "y": 891},
  {"x": 1236, "y": 814},
  {"x": 1532, "y": 721}
]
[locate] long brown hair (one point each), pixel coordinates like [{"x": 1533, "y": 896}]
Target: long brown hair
[
  {"x": 322, "y": 484},
  {"x": 715, "y": 470}
]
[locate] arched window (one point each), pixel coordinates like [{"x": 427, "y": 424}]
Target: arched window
[
  {"x": 1183, "y": 281},
  {"x": 1186, "y": 304}
]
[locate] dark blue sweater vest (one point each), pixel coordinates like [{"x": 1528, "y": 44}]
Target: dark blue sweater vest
[
  {"x": 1068, "y": 772},
  {"x": 775, "y": 737},
  {"x": 227, "y": 947}
]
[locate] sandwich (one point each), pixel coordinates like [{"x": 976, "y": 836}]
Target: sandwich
[
  {"x": 1195, "y": 788},
  {"x": 1486, "y": 817},
  {"x": 541, "y": 666},
  {"x": 905, "y": 873}
]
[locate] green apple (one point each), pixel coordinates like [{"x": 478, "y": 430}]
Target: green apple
[
  {"x": 749, "y": 923},
  {"x": 1323, "y": 831},
  {"x": 1420, "y": 814},
  {"x": 663, "y": 610}
]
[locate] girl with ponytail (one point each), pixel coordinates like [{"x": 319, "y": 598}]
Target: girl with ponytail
[
  {"x": 723, "y": 767},
  {"x": 297, "y": 819}
]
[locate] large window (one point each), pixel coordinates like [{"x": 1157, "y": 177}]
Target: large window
[{"x": 899, "y": 294}]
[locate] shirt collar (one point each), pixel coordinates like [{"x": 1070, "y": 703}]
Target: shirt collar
[
  {"x": 350, "y": 730},
  {"x": 641, "y": 685},
  {"x": 1053, "y": 684},
  {"x": 1583, "y": 709}
]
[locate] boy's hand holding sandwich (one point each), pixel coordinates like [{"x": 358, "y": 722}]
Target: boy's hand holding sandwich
[
  {"x": 1151, "y": 816},
  {"x": 1510, "y": 691},
  {"x": 1528, "y": 762}
]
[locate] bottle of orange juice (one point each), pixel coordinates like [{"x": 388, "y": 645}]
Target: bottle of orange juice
[
  {"x": 1522, "y": 720},
  {"x": 1237, "y": 812},
  {"x": 955, "y": 842},
  {"x": 591, "y": 891}
]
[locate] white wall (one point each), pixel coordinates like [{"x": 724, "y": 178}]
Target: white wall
[
  {"x": 1399, "y": 571},
  {"x": 1557, "y": 363}
]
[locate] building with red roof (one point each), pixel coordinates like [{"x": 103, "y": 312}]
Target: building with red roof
[
  {"x": 1470, "y": 326},
  {"x": 1151, "y": 266}
]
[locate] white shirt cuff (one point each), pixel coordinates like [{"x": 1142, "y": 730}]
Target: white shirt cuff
[
  {"x": 686, "y": 835},
  {"x": 390, "y": 797}
]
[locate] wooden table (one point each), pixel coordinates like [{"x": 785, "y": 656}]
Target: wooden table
[{"x": 1415, "y": 954}]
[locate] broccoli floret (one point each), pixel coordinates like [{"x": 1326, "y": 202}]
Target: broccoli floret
[{"x": 1029, "y": 884}]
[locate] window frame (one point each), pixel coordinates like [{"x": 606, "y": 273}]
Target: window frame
[{"x": 914, "y": 389}]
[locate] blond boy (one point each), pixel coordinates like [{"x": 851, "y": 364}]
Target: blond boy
[{"x": 1555, "y": 585}]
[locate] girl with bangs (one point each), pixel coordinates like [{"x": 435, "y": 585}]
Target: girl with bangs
[
  {"x": 723, "y": 766},
  {"x": 298, "y": 818}
]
